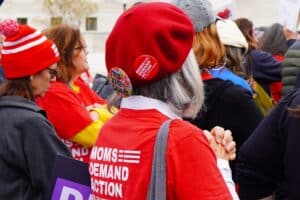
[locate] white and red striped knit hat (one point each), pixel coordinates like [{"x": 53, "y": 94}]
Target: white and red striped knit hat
[{"x": 25, "y": 50}]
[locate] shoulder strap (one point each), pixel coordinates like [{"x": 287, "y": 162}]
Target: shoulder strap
[
  {"x": 157, "y": 186},
  {"x": 249, "y": 65}
]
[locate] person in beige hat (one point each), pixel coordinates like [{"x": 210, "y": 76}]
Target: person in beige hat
[{"x": 236, "y": 47}]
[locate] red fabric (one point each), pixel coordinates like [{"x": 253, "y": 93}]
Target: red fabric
[
  {"x": 168, "y": 42},
  {"x": 276, "y": 87},
  {"x": 206, "y": 76},
  {"x": 30, "y": 60},
  {"x": 279, "y": 58},
  {"x": 224, "y": 14},
  {"x": 87, "y": 96},
  {"x": 67, "y": 112},
  {"x": 191, "y": 164}
]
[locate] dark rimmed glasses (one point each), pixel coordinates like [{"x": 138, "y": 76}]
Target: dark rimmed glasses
[
  {"x": 81, "y": 48},
  {"x": 52, "y": 72}
]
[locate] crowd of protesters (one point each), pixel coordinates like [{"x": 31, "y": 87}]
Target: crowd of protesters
[{"x": 202, "y": 107}]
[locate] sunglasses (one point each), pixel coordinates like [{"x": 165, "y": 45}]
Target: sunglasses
[{"x": 52, "y": 72}]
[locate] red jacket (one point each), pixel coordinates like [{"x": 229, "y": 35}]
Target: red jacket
[{"x": 120, "y": 162}]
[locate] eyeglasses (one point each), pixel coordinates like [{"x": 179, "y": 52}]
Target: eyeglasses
[
  {"x": 80, "y": 48},
  {"x": 52, "y": 72}
]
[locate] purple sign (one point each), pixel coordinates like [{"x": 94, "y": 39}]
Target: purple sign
[{"x": 69, "y": 190}]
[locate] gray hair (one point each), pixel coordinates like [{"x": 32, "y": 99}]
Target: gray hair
[{"x": 182, "y": 90}]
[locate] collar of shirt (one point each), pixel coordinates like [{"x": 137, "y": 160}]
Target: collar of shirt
[{"x": 145, "y": 103}]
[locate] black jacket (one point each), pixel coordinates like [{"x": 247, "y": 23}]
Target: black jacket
[
  {"x": 270, "y": 159},
  {"x": 231, "y": 107},
  {"x": 28, "y": 148}
]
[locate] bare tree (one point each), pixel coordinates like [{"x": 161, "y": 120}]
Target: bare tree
[{"x": 72, "y": 11}]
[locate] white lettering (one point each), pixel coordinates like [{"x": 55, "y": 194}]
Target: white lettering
[
  {"x": 76, "y": 152},
  {"x": 125, "y": 173},
  {"x": 107, "y": 188},
  {"x": 68, "y": 192},
  {"x": 120, "y": 173},
  {"x": 114, "y": 155},
  {"x": 105, "y": 154}
]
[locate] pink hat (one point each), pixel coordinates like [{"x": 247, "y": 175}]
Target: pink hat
[
  {"x": 149, "y": 41},
  {"x": 25, "y": 50}
]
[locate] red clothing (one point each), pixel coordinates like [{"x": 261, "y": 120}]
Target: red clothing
[
  {"x": 67, "y": 112},
  {"x": 276, "y": 87},
  {"x": 87, "y": 95},
  {"x": 121, "y": 160}
]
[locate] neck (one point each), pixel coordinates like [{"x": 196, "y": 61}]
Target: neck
[{"x": 73, "y": 79}]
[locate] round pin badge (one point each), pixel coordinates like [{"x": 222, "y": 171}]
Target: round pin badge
[
  {"x": 146, "y": 67},
  {"x": 120, "y": 82}
]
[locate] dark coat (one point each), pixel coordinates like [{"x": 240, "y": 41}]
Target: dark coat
[
  {"x": 229, "y": 106},
  {"x": 28, "y": 148},
  {"x": 290, "y": 68},
  {"x": 2, "y": 78},
  {"x": 266, "y": 69},
  {"x": 271, "y": 155}
]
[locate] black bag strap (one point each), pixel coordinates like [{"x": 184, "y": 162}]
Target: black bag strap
[
  {"x": 157, "y": 187},
  {"x": 249, "y": 66}
]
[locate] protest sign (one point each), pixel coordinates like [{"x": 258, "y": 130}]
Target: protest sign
[
  {"x": 70, "y": 180},
  {"x": 289, "y": 12}
]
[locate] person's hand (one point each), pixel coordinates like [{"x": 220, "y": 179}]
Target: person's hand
[
  {"x": 251, "y": 83},
  {"x": 222, "y": 143},
  {"x": 101, "y": 112},
  {"x": 289, "y": 34}
]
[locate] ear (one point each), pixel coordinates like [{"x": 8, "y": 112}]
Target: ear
[{"x": 31, "y": 77}]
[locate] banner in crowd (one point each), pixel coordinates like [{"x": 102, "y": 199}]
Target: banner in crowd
[
  {"x": 289, "y": 13},
  {"x": 70, "y": 180}
]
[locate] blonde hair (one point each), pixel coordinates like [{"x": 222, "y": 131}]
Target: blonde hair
[{"x": 209, "y": 50}]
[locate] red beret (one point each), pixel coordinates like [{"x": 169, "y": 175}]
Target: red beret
[{"x": 149, "y": 41}]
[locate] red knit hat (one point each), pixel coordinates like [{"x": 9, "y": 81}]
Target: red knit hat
[
  {"x": 25, "y": 50},
  {"x": 149, "y": 41}
]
